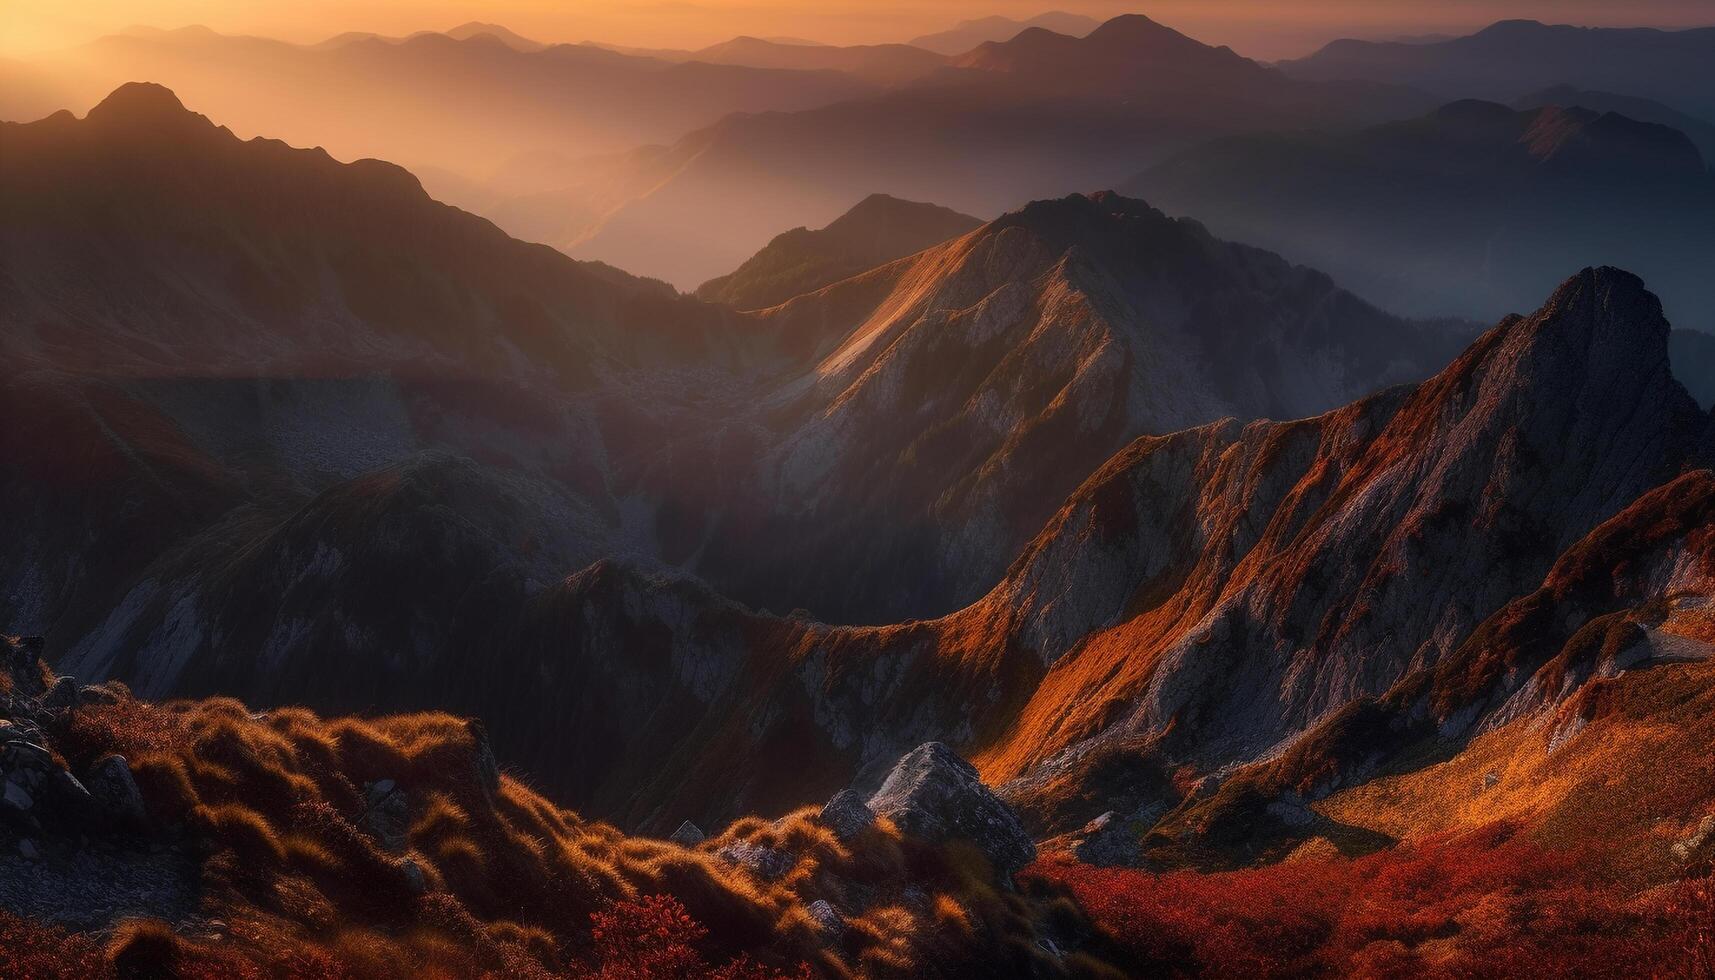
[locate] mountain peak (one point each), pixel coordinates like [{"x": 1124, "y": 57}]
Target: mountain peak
[
  {"x": 1605, "y": 293},
  {"x": 135, "y": 100}
]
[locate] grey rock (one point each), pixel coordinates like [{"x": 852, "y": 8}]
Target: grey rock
[
  {"x": 688, "y": 835},
  {"x": 62, "y": 695},
  {"x": 111, "y": 784},
  {"x": 847, "y": 815},
  {"x": 388, "y": 815},
  {"x": 414, "y": 877},
  {"x": 934, "y": 795},
  {"x": 16, "y": 796},
  {"x": 28, "y": 850},
  {"x": 1108, "y": 841},
  {"x": 767, "y": 863},
  {"x": 1686, "y": 848},
  {"x": 833, "y": 924}
]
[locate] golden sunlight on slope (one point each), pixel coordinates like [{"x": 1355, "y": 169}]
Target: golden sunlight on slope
[{"x": 1623, "y": 789}]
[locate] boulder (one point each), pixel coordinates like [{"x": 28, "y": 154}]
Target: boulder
[
  {"x": 847, "y": 815},
  {"x": 934, "y": 795},
  {"x": 388, "y": 815},
  {"x": 1107, "y": 841},
  {"x": 828, "y": 918},
  {"x": 766, "y": 863},
  {"x": 111, "y": 784},
  {"x": 414, "y": 877},
  {"x": 61, "y": 695},
  {"x": 688, "y": 835}
]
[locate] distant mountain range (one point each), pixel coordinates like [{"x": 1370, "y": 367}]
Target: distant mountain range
[
  {"x": 1512, "y": 58},
  {"x": 467, "y": 104},
  {"x": 874, "y": 232},
  {"x": 968, "y": 34},
  {"x": 1468, "y": 210},
  {"x": 1013, "y": 121}
]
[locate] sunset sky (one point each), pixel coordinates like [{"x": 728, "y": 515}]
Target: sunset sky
[{"x": 1260, "y": 28}]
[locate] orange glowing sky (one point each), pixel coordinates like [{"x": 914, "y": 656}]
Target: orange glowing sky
[{"x": 1260, "y": 28}]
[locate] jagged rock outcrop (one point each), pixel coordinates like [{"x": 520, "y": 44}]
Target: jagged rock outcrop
[
  {"x": 847, "y": 814},
  {"x": 934, "y": 795}
]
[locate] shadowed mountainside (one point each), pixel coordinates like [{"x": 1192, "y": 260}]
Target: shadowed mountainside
[
  {"x": 1513, "y": 57},
  {"x": 1469, "y": 210}
]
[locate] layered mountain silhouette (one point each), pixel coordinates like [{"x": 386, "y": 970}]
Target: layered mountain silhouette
[
  {"x": 1512, "y": 58},
  {"x": 874, "y": 232},
  {"x": 967, "y": 34},
  {"x": 882, "y": 64},
  {"x": 1009, "y": 122},
  {"x": 467, "y": 104},
  {"x": 1701, "y": 132},
  {"x": 1465, "y": 210}
]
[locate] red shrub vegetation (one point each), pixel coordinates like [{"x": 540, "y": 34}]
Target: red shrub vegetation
[{"x": 1481, "y": 904}]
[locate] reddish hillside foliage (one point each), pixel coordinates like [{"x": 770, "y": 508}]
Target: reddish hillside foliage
[{"x": 1484, "y": 904}]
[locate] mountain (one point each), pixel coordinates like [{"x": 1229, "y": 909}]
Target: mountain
[
  {"x": 1699, "y": 131},
  {"x": 1025, "y": 353},
  {"x": 1466, "y": 210},
  {"x": 874, "y": 232},
  {"x": 881, "y": 64},
  {"x": 1010, "y": 122},
  {"x": 967, "y": 34},
  {"x": 223, "y": 356},
  {"x": 1510, "y": 58},
  {"x": 279, "y": 420},
  {"x": 463, "y": 104},
  {"x": 511, "y": 39}
]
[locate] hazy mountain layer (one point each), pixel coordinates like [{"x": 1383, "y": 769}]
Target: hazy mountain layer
[
  {"x": 1467, "y": 210},
  {"x": 1514, "y": 57}
]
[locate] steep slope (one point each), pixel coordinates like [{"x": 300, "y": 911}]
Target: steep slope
[
  {"x": 1026, "y": 119},
  {"x": 466, "y": 105},
  {"x": 197, "y": 355},
  {"x": 1470, "y": 210},
  {"x": 1026, "y": 353},
  {"x": 1510, "y": 58},
  {"x": 967, "y": 34},
  {"x": 877, "y": 230},
  {"x": 1701, "y": 132}
]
